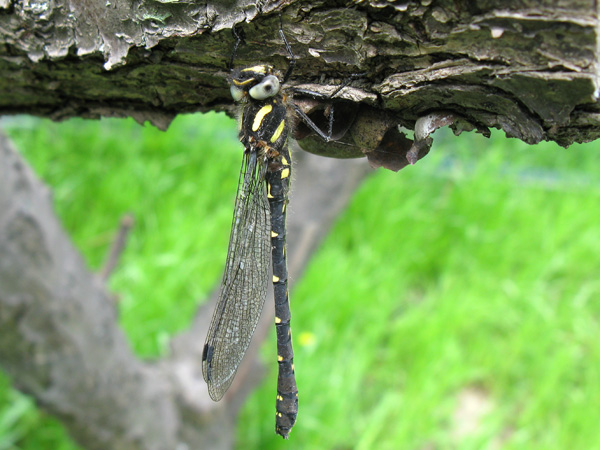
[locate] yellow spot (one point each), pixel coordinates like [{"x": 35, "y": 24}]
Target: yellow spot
[
  {"x": 277, "y": 320},
  {"x": 269, "y": 191},
  {"x": 292, "y": 367},
  {"x": 278, "y": 131},
  {"x": 280, "y": 398},
  {"x": 285, "y": 173},
  {"x": 260, "y": 115},
  {"x": 284, "y": 161},
  {"x": 306, "y": 339},
  {"x": 241, "y": 83},
  {"x": 279, "y": 358},
  {"x": 273, "y": 234},
  {"x": 275, "y": 279},
  {"x": 278, "y": 414},
  {"x": 283, "y": 209},
  {"x": 257, "y": 69}
]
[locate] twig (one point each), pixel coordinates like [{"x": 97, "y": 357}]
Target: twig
[{"x": 117, "y": 247}]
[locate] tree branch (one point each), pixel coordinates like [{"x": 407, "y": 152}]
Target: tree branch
[
  {"x": 527, "y": 68},
  {"x": 60, "y": 339},
  {"x": 117, "y": 247}
]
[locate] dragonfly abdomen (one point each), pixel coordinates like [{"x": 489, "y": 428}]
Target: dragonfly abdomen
[{"x": 278, "y": 181}]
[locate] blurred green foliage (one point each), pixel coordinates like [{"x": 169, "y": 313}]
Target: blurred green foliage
[{"x": 455, "y": 304}]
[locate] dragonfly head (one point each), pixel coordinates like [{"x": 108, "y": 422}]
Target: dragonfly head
[{"x": 256, "y": 83}]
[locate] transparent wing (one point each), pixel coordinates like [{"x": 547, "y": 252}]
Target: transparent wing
[{"x": 244, "y": 286}]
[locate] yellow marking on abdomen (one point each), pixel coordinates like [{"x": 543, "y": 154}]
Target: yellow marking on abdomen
[
  {"x": 260, "y": 115},
  {"x": 277, "y": 320},
  {"x": 285, "y": 173},
  {"x": 279, "y": 358},
  {"x": 275, "y": 279},
  {"x": 284, "y": 161},
  {"x": 278, "y": 131},
  {"x": 273, "y": 234},
  {"x": 269, "y": 191}
]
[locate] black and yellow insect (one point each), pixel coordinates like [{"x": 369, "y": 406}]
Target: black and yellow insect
[{"x": 258, "y": 227}]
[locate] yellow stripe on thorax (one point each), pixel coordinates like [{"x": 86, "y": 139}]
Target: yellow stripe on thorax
[
  {"x": 260, "y": 115},
  {"x": 278, "y": 131}
]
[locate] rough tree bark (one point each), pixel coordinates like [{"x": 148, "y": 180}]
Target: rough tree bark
[{"x": 529, "y": 69}]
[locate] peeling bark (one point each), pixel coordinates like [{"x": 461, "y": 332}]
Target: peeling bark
[{"x": 528, "y": 68}]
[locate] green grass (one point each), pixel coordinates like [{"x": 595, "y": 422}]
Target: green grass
[{"x": 477, "y": 269}]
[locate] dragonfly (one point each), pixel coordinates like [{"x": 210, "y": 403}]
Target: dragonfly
[{"x": 257, "y": 239}]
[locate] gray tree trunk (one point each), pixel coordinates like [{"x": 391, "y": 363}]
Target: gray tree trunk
[{"x": 530, "y": 70}]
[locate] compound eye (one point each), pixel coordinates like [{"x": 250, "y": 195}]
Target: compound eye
[
  {"x": 268, "y": 87},
  {"x": 236, "y": 93}
]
